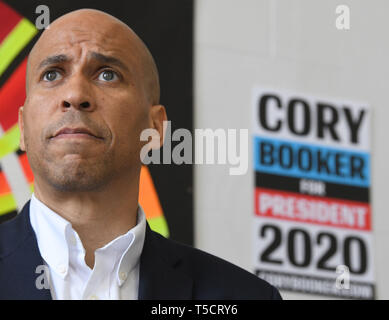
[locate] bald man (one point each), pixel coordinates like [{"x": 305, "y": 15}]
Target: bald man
[{"x": 92, "y": 87}]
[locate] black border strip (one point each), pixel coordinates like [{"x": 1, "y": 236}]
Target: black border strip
[{"x": 333, "y": 190}]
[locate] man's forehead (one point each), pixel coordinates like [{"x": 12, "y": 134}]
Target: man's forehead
[
  {"x": 87, "y": 21},
  {"x": 86, "y": 27},
  {"x": 78, "y": 39},
  {"x": 91, "y": 30},
  {"x": 75, "y": 45},
  {"x": 73, "y": 34}
]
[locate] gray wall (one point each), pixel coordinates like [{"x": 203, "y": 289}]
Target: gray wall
[{"x": 292, "y": 45}]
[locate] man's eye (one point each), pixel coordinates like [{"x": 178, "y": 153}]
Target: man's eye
[
  {"x": 51, "y": 75},
  {"x": 108, "y": 75}
]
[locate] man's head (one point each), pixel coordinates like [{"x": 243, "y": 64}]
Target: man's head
[{"x": 91, "y": 71}]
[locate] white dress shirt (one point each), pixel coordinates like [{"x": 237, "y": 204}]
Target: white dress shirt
[{"x": 115, "y": 275}]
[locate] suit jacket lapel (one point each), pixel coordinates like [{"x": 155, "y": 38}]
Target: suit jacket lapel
[
  {"x": 19, "y": 264},
  {"x": 159, "y": 276}
]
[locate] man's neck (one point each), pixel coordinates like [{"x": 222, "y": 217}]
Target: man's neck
[{"x": 98, "y": 217}]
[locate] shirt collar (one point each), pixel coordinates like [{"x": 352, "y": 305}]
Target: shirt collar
[
  {"x": 54, "y": 234},
  {"x": 128, "y": 248},
  {"x": 50, "y": 230}
]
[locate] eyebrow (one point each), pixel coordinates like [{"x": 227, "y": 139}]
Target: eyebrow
[
  {"x": 61, "y": 58},
  {"x": 108, "y": 60}
]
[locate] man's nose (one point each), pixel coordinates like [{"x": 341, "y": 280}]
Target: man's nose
[
  {"x": 82, "y": 105},
  {"x": 77, "y": 95}
]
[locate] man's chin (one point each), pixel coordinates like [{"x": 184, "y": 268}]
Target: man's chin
[
  {"x": 77, "y": 179},
  {"x": 70, "y": 186}
]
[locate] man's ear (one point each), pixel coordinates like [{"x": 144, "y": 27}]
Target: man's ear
[
  {"x": 21, "y": 129},
  {"x": 157, "y": 118}
]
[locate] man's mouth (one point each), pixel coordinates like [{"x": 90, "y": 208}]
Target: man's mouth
[{"x": 76, "y": 133}]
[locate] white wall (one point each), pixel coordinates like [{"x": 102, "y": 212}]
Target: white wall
[{"x": 288, "y": 45}]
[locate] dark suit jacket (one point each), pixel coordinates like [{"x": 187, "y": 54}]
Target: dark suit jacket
[{"x": 168, "y": 270}]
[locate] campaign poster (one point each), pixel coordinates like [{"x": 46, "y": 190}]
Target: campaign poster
[{"x": 312, "y": 214}]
